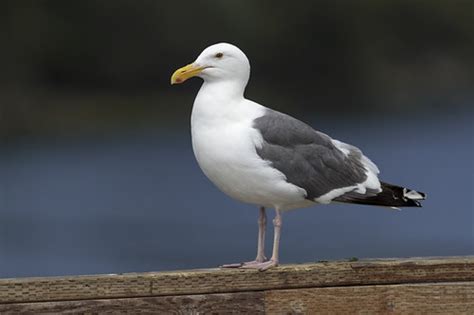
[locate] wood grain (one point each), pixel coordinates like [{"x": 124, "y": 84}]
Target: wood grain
[
  {"x": 221, "y": 303},
  {"x": 439, "y": 298},
  {"x": 389, "y": 286},
  {"x": 209, "y": 281}
]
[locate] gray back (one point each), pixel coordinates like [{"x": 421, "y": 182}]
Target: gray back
[{"x": 308, "y": 158}]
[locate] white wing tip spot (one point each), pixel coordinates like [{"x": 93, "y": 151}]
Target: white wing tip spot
[{"x": 412, "y": 194}]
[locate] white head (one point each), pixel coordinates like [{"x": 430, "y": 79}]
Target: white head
[{"x": 219, "y": 62}]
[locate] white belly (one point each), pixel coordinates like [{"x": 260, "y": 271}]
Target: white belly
[{"x": 226, "y": 153}]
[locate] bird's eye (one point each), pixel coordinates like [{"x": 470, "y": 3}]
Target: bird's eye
[{"x": 219, "y": 55}]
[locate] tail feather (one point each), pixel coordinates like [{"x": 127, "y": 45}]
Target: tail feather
[{"x": 390, "y": 196}]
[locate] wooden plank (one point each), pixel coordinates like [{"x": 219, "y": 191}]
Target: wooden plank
[
  {"x": 220, "y": 303},
  {"x": 437, "y": 298},
  {"x": 207, "y": 281}
]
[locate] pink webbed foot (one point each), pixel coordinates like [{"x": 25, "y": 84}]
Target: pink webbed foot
[
  {"x": 236, "y": 265},
  {"x": 262, "y": 266},
  {"x": 244, "y": 264}
]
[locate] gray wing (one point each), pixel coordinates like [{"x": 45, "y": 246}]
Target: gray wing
[{"x": 308, "y": 158}]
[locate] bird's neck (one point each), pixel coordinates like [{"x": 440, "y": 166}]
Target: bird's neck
[
  {"x": 223, "y": 92},
  {"x": 218, "y": 101}
]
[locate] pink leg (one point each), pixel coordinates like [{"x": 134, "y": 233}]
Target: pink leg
[
  {"x": 262, "y": 222},
  {"x": 273, "y": 262}
]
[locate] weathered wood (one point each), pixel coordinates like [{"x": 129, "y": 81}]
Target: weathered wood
[
  {"x": 206, "y": 281},
  {"x": 437, "y": 298},
  {"x": 220, "y": 303},
  {"x": 432, "y": 298},
  {"x": 414, "y": 285}
]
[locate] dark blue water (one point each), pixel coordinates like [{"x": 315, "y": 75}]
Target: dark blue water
[{"x": 139, "y": 202}]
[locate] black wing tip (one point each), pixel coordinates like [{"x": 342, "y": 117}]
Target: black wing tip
[{"x": 391, "y": 196}]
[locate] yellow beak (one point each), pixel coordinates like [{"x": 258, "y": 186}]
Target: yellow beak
[{"x": 184, "y": 73}]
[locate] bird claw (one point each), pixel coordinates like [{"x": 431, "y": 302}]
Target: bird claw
[
  {"x": 236, "y": 265},
  {"x": 263, "y": 265},
  {"x": 260, "y": 265}
]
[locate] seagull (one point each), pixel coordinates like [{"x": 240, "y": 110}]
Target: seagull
[{"x": 264, "y": 157}]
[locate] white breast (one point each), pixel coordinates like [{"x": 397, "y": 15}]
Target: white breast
[{"x": 224, "y": 144}]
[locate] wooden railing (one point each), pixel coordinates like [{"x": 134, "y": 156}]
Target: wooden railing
[{"x": 441, "y": 285}]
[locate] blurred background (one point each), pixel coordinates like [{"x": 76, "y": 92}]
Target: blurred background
[{"x": 97, "y": 174}]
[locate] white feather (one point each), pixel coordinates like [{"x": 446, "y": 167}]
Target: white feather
[{"x": 225, "y": 142}]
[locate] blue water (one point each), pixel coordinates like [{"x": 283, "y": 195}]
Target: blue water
[{"x": 139, "y": 202}]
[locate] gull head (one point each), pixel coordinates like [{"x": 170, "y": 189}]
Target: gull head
[{"x": 219, "y": 62}]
